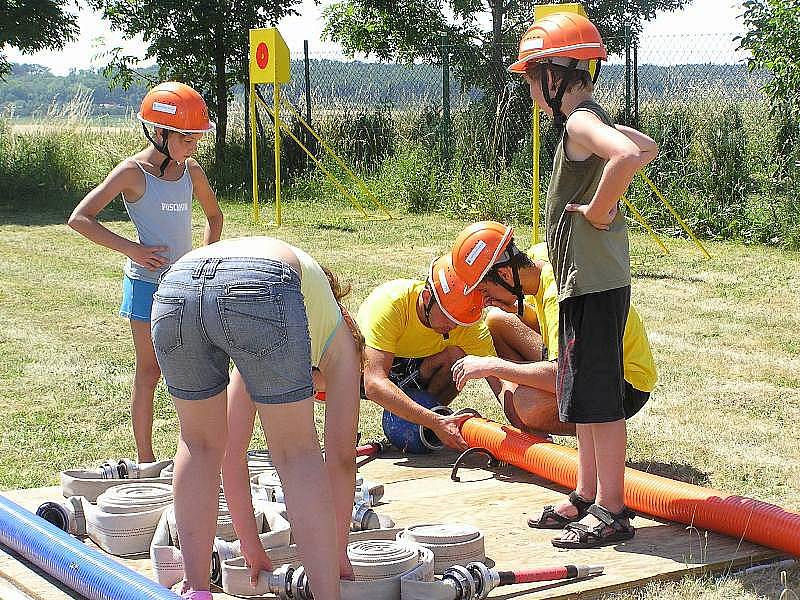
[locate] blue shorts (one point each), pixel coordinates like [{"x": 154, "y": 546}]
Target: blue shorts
[
  {"x": 209, "y": 311},
  {"x": 137, "y": 299}
]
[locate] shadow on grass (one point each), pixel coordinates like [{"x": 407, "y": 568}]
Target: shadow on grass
[
  {"x": 55, "y": 215},
  {"x": 676, "y": 472},
  {"x": 641, "y": 274}
]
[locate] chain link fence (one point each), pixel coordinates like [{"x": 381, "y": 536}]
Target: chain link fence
[{"x": 456, "y": 134}]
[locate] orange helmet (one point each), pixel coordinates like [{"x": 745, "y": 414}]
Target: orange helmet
[
  {"x": 459, "y": 306},
  {"x": 177, "y": 107},
  {"x": 561, "y": 35},
  {"x": 477, "y": 248}
]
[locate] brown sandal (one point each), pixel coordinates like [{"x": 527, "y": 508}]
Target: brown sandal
[{"x": 550, "y": 519}]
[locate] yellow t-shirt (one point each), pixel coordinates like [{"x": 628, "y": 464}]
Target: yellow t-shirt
[
  {"x": 640, "y": 369},
  {"x": 322, "y": 310},
  {"x": 389, "y": 321}
]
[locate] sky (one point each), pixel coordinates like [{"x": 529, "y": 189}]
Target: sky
[{"x": 699, "y": 17}]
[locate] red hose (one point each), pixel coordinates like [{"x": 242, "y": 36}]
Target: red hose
[
  {"x": 370, "y": 449},
  {"x": 541, "y": 574},
  {"x": 737, "y": 516}
]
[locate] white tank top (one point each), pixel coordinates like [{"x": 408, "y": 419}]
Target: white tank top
[{"x": 162, "y": 217}]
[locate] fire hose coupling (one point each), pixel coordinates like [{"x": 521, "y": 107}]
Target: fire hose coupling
[
  {"x": 67, "y": 516},
  {"x": 364, "y": 518},
  {"x": 476, "y": 580}
]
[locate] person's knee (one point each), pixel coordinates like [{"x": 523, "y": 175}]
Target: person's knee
[
  {"x": 498, "y": 321},
  {"x": 533, "y": 407},
  {"x": 147, "y": 375},
  {"x": 210, "y": 444},
  {"x": 451, "y": 354}
]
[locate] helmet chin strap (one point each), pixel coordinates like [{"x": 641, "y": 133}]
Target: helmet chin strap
[
  {"x": 427, "y": 307},
  {"x": 160, "y": 146},
  {"x": 515, "y": 289},
  {"x": 554, "y": 102}
]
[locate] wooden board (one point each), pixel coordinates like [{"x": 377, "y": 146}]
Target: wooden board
[{"x": 419, "y": 490}]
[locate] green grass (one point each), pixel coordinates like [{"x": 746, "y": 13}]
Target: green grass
[{"x": 724, "y": 334}]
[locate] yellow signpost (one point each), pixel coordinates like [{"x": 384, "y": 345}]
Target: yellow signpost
[{"x": 269, "y": 63}]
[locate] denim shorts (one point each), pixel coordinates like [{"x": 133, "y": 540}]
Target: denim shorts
[
  {"x": 208, "y": 311},
  {"x": 137, "y": 299}
]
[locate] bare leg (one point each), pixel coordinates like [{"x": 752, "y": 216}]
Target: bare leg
[
  {"x": 587, "y": 472},
  {"x": 145, "y": 381},
  {"x": 295, "y": 451},
  {"x": 437, "y": 375},
  {"x": 538, "y": 412},
  {"x": 513, "y": 339},
  {"x": 609, "y": 444},
  {"x": 196, "y": 482}
]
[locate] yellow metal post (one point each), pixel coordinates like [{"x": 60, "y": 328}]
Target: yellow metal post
[
  {"x": 269, "y": 63},
  {"x": 254, "y": 152},
  {"x": 276, "y": 96},
  {"x": 535, "y": 121},
  {"x": 675, "y": 214}
]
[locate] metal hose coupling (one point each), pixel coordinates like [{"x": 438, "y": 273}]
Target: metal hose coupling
[
  {"x": 287, "y": 583},
  {"x": 476, "y": 580},
  {"x": 364, "y": 517},
  {"x": 124, "y": 468}
]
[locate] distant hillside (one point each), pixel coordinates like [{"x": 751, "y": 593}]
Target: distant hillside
[{"x": 29, "y": 90}]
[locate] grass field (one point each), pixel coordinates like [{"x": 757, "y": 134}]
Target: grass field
[{"x": 724, "y": 332}]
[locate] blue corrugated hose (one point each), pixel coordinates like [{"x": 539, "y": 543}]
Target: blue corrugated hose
[{"x": 73, "y": 563}]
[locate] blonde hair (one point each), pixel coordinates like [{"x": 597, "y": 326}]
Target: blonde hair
[{"x": 340, "y": 291}]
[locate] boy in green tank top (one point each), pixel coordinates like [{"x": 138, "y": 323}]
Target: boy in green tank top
[{"x": 587, "y": 241}]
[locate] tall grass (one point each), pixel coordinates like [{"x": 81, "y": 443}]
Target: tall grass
[{"x": 729, "y": 168}]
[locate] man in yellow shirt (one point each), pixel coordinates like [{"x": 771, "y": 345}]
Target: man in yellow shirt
[
  {"x": 415, "y": 331},
  {"x": 527, "y": 346}
]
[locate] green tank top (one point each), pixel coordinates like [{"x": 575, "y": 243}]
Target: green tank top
[{"x": 585, "y": 260}]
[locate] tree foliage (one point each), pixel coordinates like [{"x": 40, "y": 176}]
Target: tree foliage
[
  {"x": 203, "y": 43},
  {"x": 34, "y": 25},
  {"x": 773, "y": 41},
  {"x": 414, "y": 29}
]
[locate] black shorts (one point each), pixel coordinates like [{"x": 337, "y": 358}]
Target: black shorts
[{"x": 590, "y": 384}]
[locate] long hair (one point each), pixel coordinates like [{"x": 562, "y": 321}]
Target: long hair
[{"x": 340, "y": 291}]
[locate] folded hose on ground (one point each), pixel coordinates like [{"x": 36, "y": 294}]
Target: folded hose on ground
[
  {"x": 737, "y": 516},
  {"x": 122, "y": 522},
  {"x": 90, "y": 483}
]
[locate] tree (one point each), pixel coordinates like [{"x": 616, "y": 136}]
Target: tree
[
  {"x": 773, "y": 41},
  {"x": 413, "y": 29},
  {"x": 203, "y": 43},
  {"x": 34, "y": 25}
]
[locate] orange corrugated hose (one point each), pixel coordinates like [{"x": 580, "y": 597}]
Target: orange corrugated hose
[{"x": 737, "y": 516}]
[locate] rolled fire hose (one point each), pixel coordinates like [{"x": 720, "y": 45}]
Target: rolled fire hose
[
  {"x": 379, "y": 565},
  {"x": 78, "y": 566},
  {"x": 122, "y": 522},
  {"x": 165, "y": 553},
  {"x": 736, "y": 516},
  {"x": 451, "y": 543},
  {"x": 90, "y": 483}
]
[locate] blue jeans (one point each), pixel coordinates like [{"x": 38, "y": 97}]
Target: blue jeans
[{"x": 211, "y": 310}]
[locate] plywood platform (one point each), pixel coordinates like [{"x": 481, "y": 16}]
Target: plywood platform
[{"x": 419, "y": 490}]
